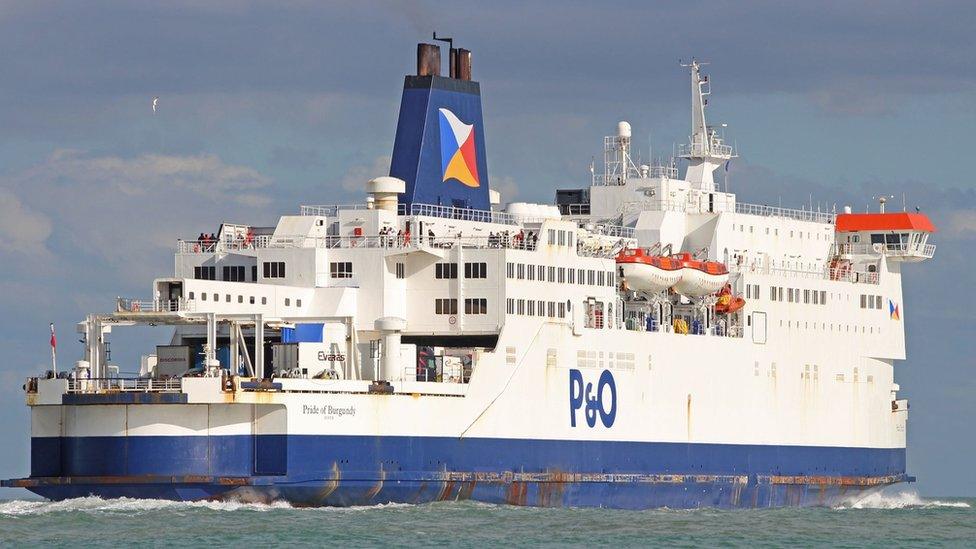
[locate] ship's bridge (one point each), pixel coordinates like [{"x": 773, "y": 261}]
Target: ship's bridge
[{"x": 901, "y": 236}]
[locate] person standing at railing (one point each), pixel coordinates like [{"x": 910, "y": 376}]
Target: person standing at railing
[
  {"x": 249, "y": 237},
  {"x": 406, "y": 237}
]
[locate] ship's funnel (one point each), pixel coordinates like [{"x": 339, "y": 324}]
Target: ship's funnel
[{"x": 439, "y": 150}]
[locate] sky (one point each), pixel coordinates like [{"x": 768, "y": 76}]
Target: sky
[{"x": 268, "y": 105}]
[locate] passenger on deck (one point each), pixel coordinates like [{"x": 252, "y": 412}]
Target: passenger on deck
[{"x": 249, "y": 237}]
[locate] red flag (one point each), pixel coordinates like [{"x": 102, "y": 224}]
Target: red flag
[{"x": 54, "y": 340}]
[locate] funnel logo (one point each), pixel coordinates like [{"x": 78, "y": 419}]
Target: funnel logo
[{"x": 458, "y": 158}]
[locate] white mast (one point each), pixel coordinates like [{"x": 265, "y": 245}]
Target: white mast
[{"x": 706, "y": 151}]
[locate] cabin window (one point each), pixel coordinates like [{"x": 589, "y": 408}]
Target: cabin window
[
  {"x": 541, "y": 272},
  {"x": 205, "y": 272},
  {"x": 190, "y": 295},
  {"x": 476, "y": 270},
  {"x": 274, "y": 269},
  {"x": 475, "y": 306},
  {"x": 521, "y": 271},
  {"x": 264, "y": 301},
  {"x": 227, "y": 298},
  {"x": 561, "y": 310},
  {"x": 877, "y": 301},
  {"x": 531, "y": 308},
  {"x": 400, "y": 270},
  {"x": 445, "y": 270},
  {"x": 234, "y": 273},
  {"x": 254, "y": 273},
  {"x": 571, "y": 276},
  {"x": 552, "y": 274},
  {"x": 581, "y": 276},
  {"x": 203, "y": 296},
  {"x": 240, "y": 299},
  {"x": 510, "y": 270},
  {"x": 530, "y": 270},
  {"x": 445, "y": 306},
  {"x": 521, "y": 306},
  {"x": 877, "y": 239},
  {"x": 551, "y": 309},
  {"x": 298, "y": 302},
  {"x": 590, "y": 277},
  {"x": 510, "y": 306},
  {"x": 251, "y": 300},
  {"x": 287, "y": 301},
  {"x": 340, "y": 269}
]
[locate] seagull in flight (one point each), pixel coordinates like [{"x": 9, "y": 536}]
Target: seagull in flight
[{"x": 155, "y": 103}]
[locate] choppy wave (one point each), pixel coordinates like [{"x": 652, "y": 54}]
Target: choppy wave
[{"x": 903, "y": 499}]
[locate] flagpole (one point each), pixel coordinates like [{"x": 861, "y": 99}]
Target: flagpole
[{"x": 54, "y": 354}]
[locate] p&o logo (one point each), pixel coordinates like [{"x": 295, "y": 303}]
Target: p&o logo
[
  {"x": 459, "y": 161},
  {"x": 599, "y": 401}
]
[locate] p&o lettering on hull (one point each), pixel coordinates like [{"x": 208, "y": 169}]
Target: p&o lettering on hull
[{"x": 599, "y": 401}]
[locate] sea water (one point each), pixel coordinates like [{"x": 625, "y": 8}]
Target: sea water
[{"x": 899, "y": 519}]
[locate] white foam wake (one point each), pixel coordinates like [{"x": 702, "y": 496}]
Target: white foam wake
[
  {"x": 900, "y": 499},
  {"x": 124, "y": 505}
]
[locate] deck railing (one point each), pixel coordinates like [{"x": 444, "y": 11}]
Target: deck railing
[
  {"x": 119, "y": 384},
  {"x": 128, "y": 305}
]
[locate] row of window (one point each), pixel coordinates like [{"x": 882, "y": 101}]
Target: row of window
[
  {"x": 542, "y": 273},
  {"x": 532, "y": 307},
  {"x": 450, "y": 270},
  {"x": 560, "y": 238},
  {"x": 742, "y": 229},
  {"x": 794, "y": 295},
  {"x": 824, "y": 327},
  {"x": 274, "y": 269},
  {"x": 871, "y": 301},
  {"x": 472, "y": 306},
  {"x": 340, "y": 269},
  {"x": 232, "y": 273},
  {"x": 240, "y": 298}
]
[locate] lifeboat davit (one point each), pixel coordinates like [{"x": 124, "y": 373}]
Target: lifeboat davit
[
  {"x": 647, "y": 272},
  {"x": 699, "y": 278},
  {"x": 728, "y": 303}
]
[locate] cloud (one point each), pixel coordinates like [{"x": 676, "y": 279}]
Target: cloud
[
  {"x": 121, "y": 216},
  {"x": 962, "y": 223},
  {"x": 22, "y": 229},
  {"x": 356, "y": 177}
]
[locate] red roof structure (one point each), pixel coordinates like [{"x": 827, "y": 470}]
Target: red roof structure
[{"x": 897, "y": 221}]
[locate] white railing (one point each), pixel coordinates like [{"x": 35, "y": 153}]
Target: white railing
[
  {"x": 118, "y": 384},
  {"x": 226, "y": 245},
  {"x": 701, "y": 149},
  {"x": 840, "y": 273},
  {"x": 772, "y": 211},
  {"x": 127, "y": 305},
  {"x": 328, "y": 210},
  {"x": 896, "y": 250}
]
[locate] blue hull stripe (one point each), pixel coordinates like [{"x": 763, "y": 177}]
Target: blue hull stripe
[{"x": 357, "y": 469}]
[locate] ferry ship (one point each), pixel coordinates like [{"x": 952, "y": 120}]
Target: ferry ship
[{"x": 644, "y": 341}]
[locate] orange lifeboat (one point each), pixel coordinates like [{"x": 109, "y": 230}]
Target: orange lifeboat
[
  {"x": 699, "y": 278},
  {"x": 728, "y": 303},
  {"x": 647, "y": 272}
]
